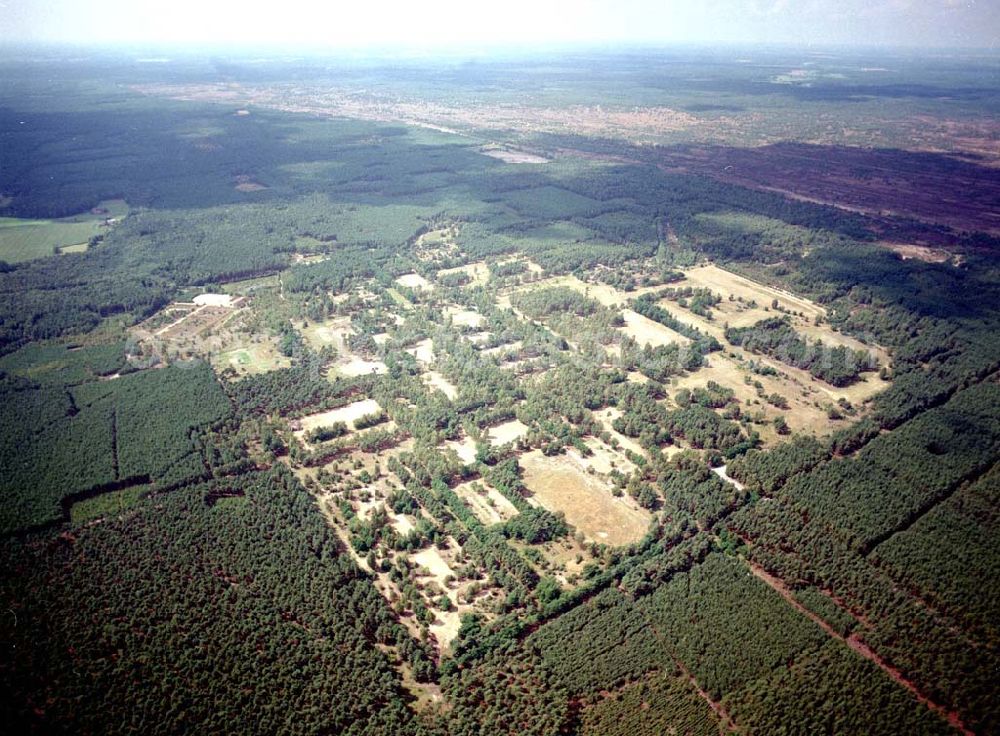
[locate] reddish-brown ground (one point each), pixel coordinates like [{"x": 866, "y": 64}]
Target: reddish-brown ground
[{"x": 930, "y": 187}]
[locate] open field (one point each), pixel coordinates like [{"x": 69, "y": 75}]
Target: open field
[
  {"x": 510, "y": 431},
  {"x": 559, "y": 484},
  {"x": 346, "y": 414},
  {"x": 606, "y": 417},
  {"x": 465, "y": 448},
  {"x": 442, "y": 384},
  {"x": 464, "y": 317},
  {"x": 26, "y": 239},
  {"x": 487, "y": 503},
  {"x": 423, "y": 351},
  {"x": 725, "y": 283},
  {"x": 510, "y": 156},
  {"x": 647, "y": 332},
  {"x": 253, "y": 358},
  {"x": 478, "y": 271},
  {"x": 415, "y": 281}
]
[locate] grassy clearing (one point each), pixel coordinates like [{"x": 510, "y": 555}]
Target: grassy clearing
[
  {"x": 346, "y": 414},
  {"x": 479, "y": 272},
  {"x": 559, "y": 484},
  {"x": 356, "y": 366},
  {"x": 606, "y": 417},
  {"x": 333, "y": 333},
  {"x": 25, "y": 240},
  {"x": 251, "y": 359},
  {"x": 603, "y": 460},
  {"x": 487, "y": 503},
  {"x": 647, "y": 332},
  {"x": 725, "y": 283}
]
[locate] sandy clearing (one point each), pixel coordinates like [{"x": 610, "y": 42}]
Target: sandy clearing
[
  {"x": 920, "y": 252},
  {"x": 647, "y": 332},
  {"x": 604, "y": 459},
  {"x": 434, "y": 563},
  {"x": 487, "y": 503},
  {"x": 477, "y": 338},
  {"x": 438, "y": 381},
  {"x": 415, "y": 281},
  {"x": 464, "y": 317},
  {"x": 214, "y": 300},
  {"x": 346, "y": 414},
  {"x": 606, "y": 417},
  {"x": 446, "y": 628},
  {"x": 402, "y": 524},
  {"x": 513, "y": 157},
  {"x": 713, "y": 328},
  {"x": 478, "y": 271},
  {"x": 423, "y": 351},
  {"x": 360, "y": 367},
  {"x": 507, "y": 432},
  {"x": 559, "y": 484},
  {"x": 464, "y": 448},
  {"x": 250, "y": 186},
  {"x": 721, "y": 472},
  {"x": 505, "y": 348},
  {"x": 725, "y": 283}
]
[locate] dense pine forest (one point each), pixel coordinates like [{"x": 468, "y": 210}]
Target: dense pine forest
[{"x": 351, "y": 426}]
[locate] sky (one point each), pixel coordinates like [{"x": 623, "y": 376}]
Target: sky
[{"x": 440, "y": 24}]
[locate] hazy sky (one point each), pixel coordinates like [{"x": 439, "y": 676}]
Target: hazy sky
[{"x": 437, "y": 23}]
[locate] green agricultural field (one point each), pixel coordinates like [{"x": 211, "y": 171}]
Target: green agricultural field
[{"x": 27, "y": 239}]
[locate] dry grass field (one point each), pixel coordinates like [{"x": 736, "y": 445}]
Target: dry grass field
[
  {"x": 559, "y": 484},
  {"x": 479, "y": 272},
  {"x": 647, "y": 332},
  {"x": 487, "y": 503},
  {"x": 252, "y": 358},
  {"x": 346, "y": 414}
]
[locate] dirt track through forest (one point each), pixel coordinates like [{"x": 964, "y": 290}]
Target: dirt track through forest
[{"x": 855, "y": 643}]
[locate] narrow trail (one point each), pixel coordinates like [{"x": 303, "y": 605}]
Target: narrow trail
[
  {"x": 192, "y": 313},
  {"x": 720, "y": 712},
  {"x": 855, "y": 643}
]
